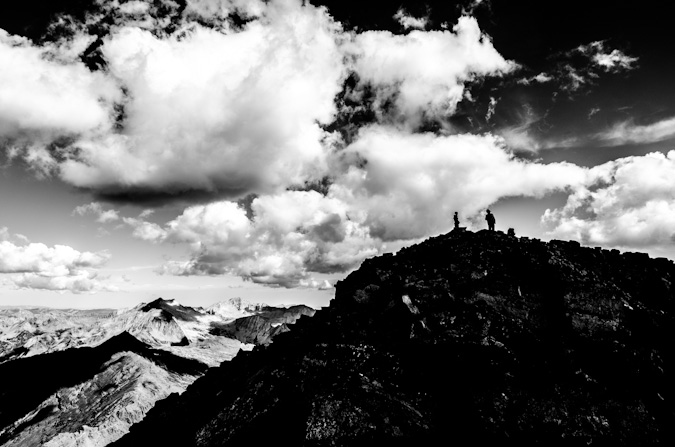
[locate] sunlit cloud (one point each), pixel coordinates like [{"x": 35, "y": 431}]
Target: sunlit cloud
[
  {"x": 60, "y": 267},
  {"x": 628, "y": 202}
]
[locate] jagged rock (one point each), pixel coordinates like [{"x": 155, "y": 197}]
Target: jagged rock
[{"x": 465, "y": 339}]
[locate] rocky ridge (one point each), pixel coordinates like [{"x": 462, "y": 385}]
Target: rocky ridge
[
  {"x": 127, "y": 361},
  {"x": 465, "y": 339}
]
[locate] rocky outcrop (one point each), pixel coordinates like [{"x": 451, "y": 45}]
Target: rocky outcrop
[
  {"x": 466, "y": 339},
  {"x": 259, "y": 329}
]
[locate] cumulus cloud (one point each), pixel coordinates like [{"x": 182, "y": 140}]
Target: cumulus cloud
[
  {"x": 627, "y": 132},
  {"x": 628, "y": 202},
  {"x": 46, "y": 92},
  {"x": 55, "y": 268},
  {"x": 82, "y": 281},
  {"x": 246, "y": 118},
  {"x": 96, "y": 209},
  {"x": 291, "y": 235},
  {"x": 191, "y": 102},
  {"x": 390, "y": 187},
  {"x": 424, "y": 73},
  {"x": 412, "y": 183},
  {"x": 225, "y": 111}
]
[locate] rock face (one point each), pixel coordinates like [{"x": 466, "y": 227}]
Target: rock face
[
  {"x": 54, "y": 395},
  {"x": 465, "y": 339}
]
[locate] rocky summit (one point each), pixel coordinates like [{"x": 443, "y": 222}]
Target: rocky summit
[{"x": 464, "y": 339}]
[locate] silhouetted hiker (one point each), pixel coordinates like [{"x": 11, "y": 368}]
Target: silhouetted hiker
[
  {"x": 456, "y": 219},
  {"x": 490, "y": 220}
]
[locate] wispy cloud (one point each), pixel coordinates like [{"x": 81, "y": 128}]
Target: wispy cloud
[
  {"x": 628, "y": 132},
  {"x": 95, "y": 208},
  {"x": 580, "y": 67},
  {"x": 407, "y": 21},
  {"x": 613, "y": 61}
]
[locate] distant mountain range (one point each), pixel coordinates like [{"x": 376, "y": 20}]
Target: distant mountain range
[{"x": 83, "y": 377}]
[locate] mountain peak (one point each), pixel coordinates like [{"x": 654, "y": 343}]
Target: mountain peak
[
  {"x": 173, "y": 309},
  {"x": 484, "y": 338}
]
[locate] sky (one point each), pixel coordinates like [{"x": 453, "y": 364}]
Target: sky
[{"x": 207, "y": 149}]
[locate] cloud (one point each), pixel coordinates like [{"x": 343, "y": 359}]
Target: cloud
[
  {"x": 628, "y": 202},
  {"x": 541, "y": 78},
  {"x": 191, "y": 103},
  {"x": 424, "y": 73},
  {"x": 291, "y": 234},
  {"x": 82, "y": 281},
  {"x": 581, "y": 67},
  {"x": 410, "y": 184},
  {"x": 147, "y": 231},
  {"x": 526, "y": 134},
  {"x": 224, "y": 111},
  {"x": 390, "y": 187},
  {"x": 231, "y": 99},
  {"x": 55, "y": 268},
  {"x": 95, "y": 208},
  {"x": 222, "y": 9},
  {"x": 491, "y": 108},
  {"x": 627, "y": 132},
  {"x": 613, "y": 61},
  {"x": 407, "y": 21},
  {"x": 46, "y": 92}
]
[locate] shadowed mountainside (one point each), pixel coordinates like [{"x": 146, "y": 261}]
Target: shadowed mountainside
[{"x": 467, "y": 338}]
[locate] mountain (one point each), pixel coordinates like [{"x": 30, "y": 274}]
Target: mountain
[
  {"x": 55, "y": 395},
  {"x": 165, "y": 324},
  {"x": 465, "y": 339},
  {"x": 260, "y": 328},
  {"x": 64, "y": 397}
]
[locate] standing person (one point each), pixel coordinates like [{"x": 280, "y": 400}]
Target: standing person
[
  {"x": 490, "y": 220},
  {"x": 456, "y": 219}
]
